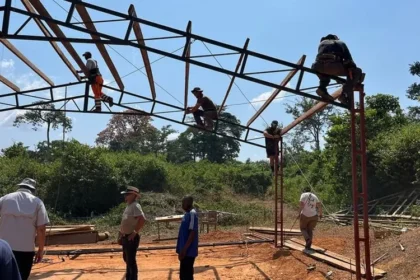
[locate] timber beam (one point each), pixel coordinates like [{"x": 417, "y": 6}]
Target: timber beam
[
  {"x": 47, "y": 33},
  {"x": 9, "y": 84},
  {"x": 87, "y": 20},
  {"x": 145, "y": 56}
]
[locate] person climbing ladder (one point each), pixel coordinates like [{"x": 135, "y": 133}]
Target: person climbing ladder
[
  {"x": 96, "y": 81},
  {"x": 272, "y": 136}
]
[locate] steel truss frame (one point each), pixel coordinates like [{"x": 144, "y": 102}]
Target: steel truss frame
[{"x": 36, "y": 11}]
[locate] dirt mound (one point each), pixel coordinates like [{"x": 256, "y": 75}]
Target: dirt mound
[
  {"x": 398, "y": 263},
  {"x": 220, "y": 236}
]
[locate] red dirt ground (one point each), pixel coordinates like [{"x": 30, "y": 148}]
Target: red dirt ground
[{"x": 258, "y": 261}]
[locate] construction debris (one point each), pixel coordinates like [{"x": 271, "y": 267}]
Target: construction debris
[
  {"x": 402, "y": 247},
  {"x": 331, "y": 258},
  {"x": 74, "y": 234},
  {"x": 380, "y": 258}
]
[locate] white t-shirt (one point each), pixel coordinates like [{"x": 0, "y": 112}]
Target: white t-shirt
[
  {"x": 91, "y": 64},
  {"x": 20, "y": 213},
  {"x": 130, "y": 217},
  {"x": 310, "y": 200}
]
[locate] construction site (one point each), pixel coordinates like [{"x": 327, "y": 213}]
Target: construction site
[{"x": 369, "y": 239}]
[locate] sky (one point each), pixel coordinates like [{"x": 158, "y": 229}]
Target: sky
[{"x": 381, "y": 35}]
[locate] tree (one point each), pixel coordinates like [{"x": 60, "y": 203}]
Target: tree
[
  {"x": 413, "y": 92},
  {"x": 195, "y": 144},
  {"x": 39, "y": 118},
  {"x": 310, "y": 130},
  {"x": 127, "y": 131},
  {"x": 16, "y": 150},
  {"x": 158, "y": 140}
]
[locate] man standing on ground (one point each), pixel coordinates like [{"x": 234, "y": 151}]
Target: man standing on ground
[
  {"x": 310, "y": 208},
  {"x": 23, "y": 216},
  {"x": 209, "y": 112},
  {"x": 132, "y": 222},
  {"x": 187, "y": 243},
  {"x": 334, "y": 58},
  {"x": 8, "y": 266},
  {"x": 96, "y": 81},
  {"x": 272, "y": 136}
]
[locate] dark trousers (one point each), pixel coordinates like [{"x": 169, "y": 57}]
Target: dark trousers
[
  {"x": 129, "y": 256},
  {"x": 24, "y": 261},
  {"x": 186, "y": 269},
  {"x": 208, "y": 117},
  {"x": 337, "y": 68}
]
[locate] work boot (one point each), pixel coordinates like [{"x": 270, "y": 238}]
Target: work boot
[
  {"x": 322, "y": 92},
  {"x": 111, "y": 101}
]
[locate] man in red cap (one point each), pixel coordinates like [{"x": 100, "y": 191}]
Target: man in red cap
[
  {"x": 96, "y": 81},
  {"x": 209, "y": 112},
  {"x": 132, "y": 222}
]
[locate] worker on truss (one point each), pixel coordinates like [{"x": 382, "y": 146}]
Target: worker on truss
[
  {"x": 208, "y": 112},
  {"x": 272, "y": 136},
  {"x": 96, "y": 81},
  {"x": 334, "y": 58},
  {"x": 310, "y": 209}
]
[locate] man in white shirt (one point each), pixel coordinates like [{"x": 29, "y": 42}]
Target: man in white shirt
[
  {"x": 96, "y": 81},
  {"x": 24, "y": 217},
  {"x": 310, "y": 208}
]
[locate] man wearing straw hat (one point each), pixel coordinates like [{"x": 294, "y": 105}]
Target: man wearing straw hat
[
  {"x": 208, "y": 112},
  {"x": 132, "y": 222},
  {"x": 23, "y": 216}
]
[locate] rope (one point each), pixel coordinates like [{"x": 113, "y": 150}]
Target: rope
[
  {"x": 137, "y": 69},
  {"x": 307, "y": 181},
  {"x": 240, "y": 90}
]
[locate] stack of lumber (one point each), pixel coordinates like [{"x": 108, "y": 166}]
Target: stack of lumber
[
  {"x": 332, "y": 258},
  {"x": 267, "y": 230},
  {"x": 73, "y": 234}
]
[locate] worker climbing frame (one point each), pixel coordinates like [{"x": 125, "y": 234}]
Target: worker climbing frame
[{"x": 52, "y": 29}]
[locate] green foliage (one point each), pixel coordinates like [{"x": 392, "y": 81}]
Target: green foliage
[{"x": 16, "y": 150}]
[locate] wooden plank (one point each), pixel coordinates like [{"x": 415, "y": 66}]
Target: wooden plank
[
  {"x": 20, "y": 55},
  {"x": 72, "y": 238},
  {"x": 57, "y": 31},
  {"x": 330, "y": 260},
  {"x": 315, "y": 109},
  {"x": 140, "y": 40},
  {"x": 89, "y": 25},
  {"x": 272, "y": 229},
  {"x": 169, "y": 218},
  {"x": 411, "y": 203},
  {"x": 333, "y": 255},
  {"x": 47, "y": 33},
  {"x": 277, "y": 91},
  {"x": 9, "y": 83},
  {"x": 403, "y": 203}
]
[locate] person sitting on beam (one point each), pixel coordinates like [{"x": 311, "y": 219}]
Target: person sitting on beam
[
  {"x": 208, "y": 112},
  {"x": 96, "y": 81},
  {"x": 334, "y": 58},
  {"x": 272, "y": 135}
]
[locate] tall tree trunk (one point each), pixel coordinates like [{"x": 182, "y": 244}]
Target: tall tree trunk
[{"x": 48, "y": 133}]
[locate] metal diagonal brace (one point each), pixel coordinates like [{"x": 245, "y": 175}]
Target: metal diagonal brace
[
  {"x": 277, "y": 91},
  {"x": 232, "y": 80},
  {"x": 186, "y": 55},
  {"x": 57, "y": 31},
  {"x": 89, "y": 25},
  {"x": 47, "y": 33},
  {"x": 14, "y": 50},
  {"x": 140, "y": 40},
  {"x": 315, "y": 109}
]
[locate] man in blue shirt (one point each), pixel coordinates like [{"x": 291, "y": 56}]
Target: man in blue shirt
[
  {"x": 187, "y": 243},
  {"x": 8, "y": 267}
]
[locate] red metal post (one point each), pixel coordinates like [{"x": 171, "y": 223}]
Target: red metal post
[
  {"x": 281, "y": 192},
  {"x": 357, "y": 195},
  {"x": 276, "y": 198},
  {"x": 364, "y": 184}
]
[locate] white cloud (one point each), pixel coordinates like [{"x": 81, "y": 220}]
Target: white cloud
[
  {"x": 173, "y": 136},
  {"x": 30, "y": 81},
  {"x": 260, "y": 99},
  {"x": 7, "y": 64}
]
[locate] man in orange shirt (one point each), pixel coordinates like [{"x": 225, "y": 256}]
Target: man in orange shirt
[{"x": 95, "y": 79}]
